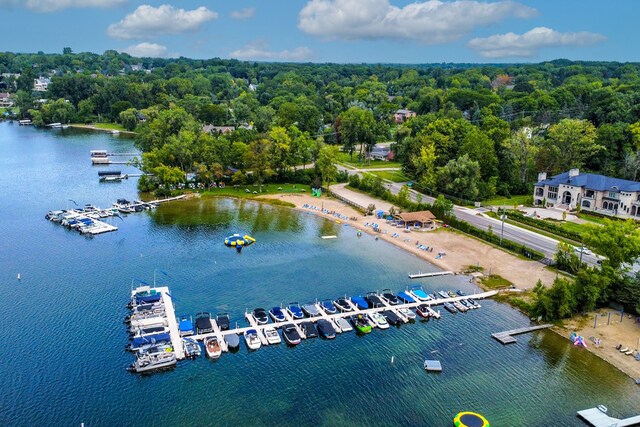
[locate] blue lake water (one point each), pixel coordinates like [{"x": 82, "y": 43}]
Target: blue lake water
[{"x": 63, "y": 361}]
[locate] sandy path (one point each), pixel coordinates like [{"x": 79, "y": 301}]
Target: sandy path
[{"x": 461, "y": 251}]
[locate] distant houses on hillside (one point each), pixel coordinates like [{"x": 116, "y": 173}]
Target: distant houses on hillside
[
  {"x": 6, "y": 101},
  {"x": 401, "y": 115}
]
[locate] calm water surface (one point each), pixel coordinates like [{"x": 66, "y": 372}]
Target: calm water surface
[{"x": 63, "y": 360}]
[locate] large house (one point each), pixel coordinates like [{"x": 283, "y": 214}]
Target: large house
[
  {"x": 6, "y": 100},
  {"x": 591, "y": 192},
  {"x": 402, "y": 115},
  {"x": 41, "y": 84}
]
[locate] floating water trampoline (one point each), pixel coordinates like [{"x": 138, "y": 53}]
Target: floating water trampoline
[
  {"x": 238, "y": 241},
  {"x": 470, "y": 419}
]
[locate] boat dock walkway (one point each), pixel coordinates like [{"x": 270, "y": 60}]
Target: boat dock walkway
[
  {"x": 331, "y": 317},
  {"x": 599, "y": 418},
  {"x": 506, "y": 337},
  {"x": 432, "y": 274}
]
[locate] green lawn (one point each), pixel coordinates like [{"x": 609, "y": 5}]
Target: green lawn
[
  {"x": 240, "y": 192},
  {"x": 110, "y": 126},
  {"x": 592, "y": 218},
  {"x": 394, "y": 176},
  {"x": 495, "y": 282},
  {"x": 508, "y": 201},
  {"x": 367, "y": 164}
]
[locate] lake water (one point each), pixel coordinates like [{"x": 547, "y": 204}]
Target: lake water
[{"x": 63, "y": 337}]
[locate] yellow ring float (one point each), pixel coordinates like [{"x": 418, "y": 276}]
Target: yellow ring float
[{"x": 470, "y": 419}]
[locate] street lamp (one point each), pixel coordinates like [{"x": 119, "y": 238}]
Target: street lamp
[{"x": 503, "y": 217}]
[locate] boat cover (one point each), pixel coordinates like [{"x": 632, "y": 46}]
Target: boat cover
[
  {"x": 186, "y": 325},
  {"x": 146, "y": 299},
  {"x": 150, "y": 339},
  {"x": 405, "y": 297},
  {"x": 232, "y": 340}
]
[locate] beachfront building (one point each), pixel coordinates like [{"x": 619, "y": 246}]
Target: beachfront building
[
  {"x": 423, "y": 220},
  {"x": 402, "y": 115},
  {"x": 591, "y": 192}
]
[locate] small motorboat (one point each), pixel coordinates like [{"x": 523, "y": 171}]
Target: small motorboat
[
  {"x": 295, "y": 311},
  {"x": 452, "y": 294},
  {"x": 423, "y": 311},
  {"x": 461, "y": 308},
  {"x": 474, "y": 303},
  {"x": 233, "y": 341},
  {"x": 373, "y": 299},
  {"x": 309, "y": 329},
  {"x": 251, "y": 337},
  {"x": 392, "y": 318},
  {"x": 460, "y": 292},
  {"x": 450, "y": 307},
  {"x": 405, "y": 297},
  {"x": 419, "y": 293},
  {"x": 185, "y": 326},
  {"x": 443, "y": 294},
  {"x": 342, "y": 304},
  {"x": 390, "y": 297},
  {"x": 311, "y": 309},
  {"x": 277, "y": 314},
  {"x": 191, "y": 348},
  {"x": 326, "y": 329},
  {"x": 143, "y": 332},
  {"x": 379, "y": 320},
  {"x": 260, "y": 314},
  {"x": 433, "y": 313},
  {"x": 343, "y": 324},
  {"x": 212, "y": 347},
  {"x": 272, "y": 336},
  {"x": 407, "y": 313},
  {"x": 203, "y": 323},
  {"x": 361, "y": 324},
  {"x": 466, "y": 304},
  {"x": 328, "y": 307},
  {"x": 224, "y": 321},
  {"x": 360, "y": 302},
  {"x": 149, "y": 341},
  {"x": 290, "y": 334}
]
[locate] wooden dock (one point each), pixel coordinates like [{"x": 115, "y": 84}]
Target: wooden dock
[
  {"x": 506, "y": 337},
  {"x": 330, "y": 317},
  {"x": 432, "y": 274},
  {"x": 599, "y": 418}
]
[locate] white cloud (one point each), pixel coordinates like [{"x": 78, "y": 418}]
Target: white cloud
[
  {"x": 528, "y": 44},
  {"x": 429, "y": 22},
  {"x": 149, "y": 21},
  {"x": 246, "y": 13},
  {"x": 56, "y": 5},
  {"x": 148, "y": 50},
  {"x": 259, "y": 50}
]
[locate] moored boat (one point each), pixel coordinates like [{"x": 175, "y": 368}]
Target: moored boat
[
  {"x": 419, "y": 293},
  {"x": 373, "y": 299},
  {"x": 191, "y": 348},
  {"x": 342, "y": 304},
  {"x": 392, "y": 318},
  {"x": 224, "y": 321},
  {"x": 360, "y": 302},
  {"x": 450, "y": 307},
  {"x": 390, "y": 297},
  {"x": 233, "y": 342},
  {"x": 423, "y": 311},
  {"x": 295, "y": 311},
  {"x": 271, "y": 335},
  {"x": 185, "y": 326},
  {"x": 405, "y": 297},
  {"x": 290, "y": 334},
  {"x": 361, "y": 324},
  {"x": 343, "y": 324},
  {"x": 212, "y": 347},
  {"x": 328, "y": 307},
  {"x": 277, "y": 314},
  {"x": 326, "y": 329},
  {"x": 203, "y": 323},
  {"x": 152, "y": 361},
  {"x": 251, "y": 337},
  {"x": 260, "y": 314},
  {"x": 443, "y": 294},
  {"x": 311, "y": 309},
  {"x": 309, "y": 329},
  {"x": 378, "y": 320},
  {"x": 406, "y": 312}
]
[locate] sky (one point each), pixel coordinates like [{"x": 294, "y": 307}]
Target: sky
[{"x": 341, "y": 31}]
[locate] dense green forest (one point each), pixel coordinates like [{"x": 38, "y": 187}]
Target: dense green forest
[{"x": 480, "y": 130}]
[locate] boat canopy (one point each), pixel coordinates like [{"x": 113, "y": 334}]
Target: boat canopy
[
  {"x": 146, "y": 299},
  {"x": 186, "y": 325},
  {"x": 150, "y": 339}
]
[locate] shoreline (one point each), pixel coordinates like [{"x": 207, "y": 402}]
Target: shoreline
[
  {"x": 299, "y": 200},
  {"x": 93, "y": 127}
]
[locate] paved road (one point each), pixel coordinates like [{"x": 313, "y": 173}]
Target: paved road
[{"x": 538, "y": 242}]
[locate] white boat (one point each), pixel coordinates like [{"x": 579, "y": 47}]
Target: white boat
[
  {"x": 461, "y": 308},
  {"x": 344, "y": 324},
  {"x": 251, "y": 337},
  {"x": 379, "y": 320},
  {"x": 212, "y": 347},
  {"x": 272, "y": 336},
  {"x": 99, "y": 157},
  {"x": 150, "y": 361},
  {"x": 148, "y": 322},
  {"x": 409, "y": 314},
  {"x": 433, "y": 313},
  {"x": 191, "y": 348}
]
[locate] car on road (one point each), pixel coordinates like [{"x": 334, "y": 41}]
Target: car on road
[{"x": 583, "y": 250}]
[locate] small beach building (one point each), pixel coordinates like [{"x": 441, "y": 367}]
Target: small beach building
[{"x": 420, "y": 220}]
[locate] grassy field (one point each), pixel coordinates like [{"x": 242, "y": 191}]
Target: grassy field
[
  {"x": 592, "y": 218},
  {"x": 367, "y": 164},
  {"x": 241, "y": 192},
  {"x": 508, "y": 201},
  {"x": 495, "y": 282},
  {"x": 395, "y": 176},
  {"x": 110, "y": 126}
]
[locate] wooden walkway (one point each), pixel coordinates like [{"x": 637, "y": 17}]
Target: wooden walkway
[
  {"x": 506, "y": 337},
  {"x": 432, "y": 274},
  {"x": 331, "y": 317},
  {"x": 597, "y": 418},
  {"x": 172, "y": 322}
]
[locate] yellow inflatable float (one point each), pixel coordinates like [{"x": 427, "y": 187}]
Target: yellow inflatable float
[
  {"x": 238, "y": 241},
  {"x": 470, "y": 419}
]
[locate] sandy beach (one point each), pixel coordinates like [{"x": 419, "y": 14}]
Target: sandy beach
[{"x": 461, "y": 251}]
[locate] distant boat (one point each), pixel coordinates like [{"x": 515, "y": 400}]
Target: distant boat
[
  {"x": 271, "y": 335},
  {"x": 295, "y": 311},
  {"x": 212, "y": 347}
]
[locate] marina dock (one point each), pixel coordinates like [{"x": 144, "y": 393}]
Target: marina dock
[
  {"x": 176, "y": 341},
  {"x": 597, "y": 417},
  {"x": 432, "y": 274},
  {"x": 332, "y": 317},
  {"x": 506, "y": 337}
]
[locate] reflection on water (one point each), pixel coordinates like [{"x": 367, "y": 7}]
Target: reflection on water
[{"x": 64, "y": 360}]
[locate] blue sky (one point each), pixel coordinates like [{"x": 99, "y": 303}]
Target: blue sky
[{"x": 388, "y": 31}]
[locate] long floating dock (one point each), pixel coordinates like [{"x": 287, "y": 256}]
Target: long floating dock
[
  {"x": 174, "y": 332},
  {"x": 599, "y": 418},
  {"x": 332, "y": 317},
  {"x": 432, "y": 274},
  {"x": 506, "y": 337}
]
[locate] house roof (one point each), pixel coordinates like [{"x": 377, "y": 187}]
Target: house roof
[
  {"x": 404, "y": 112},
  {"x": 4, "y": 95},
  {"x": 592, "y": 181},
  {"x": 422, "y": 216}
]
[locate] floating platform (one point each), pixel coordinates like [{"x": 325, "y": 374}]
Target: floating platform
[
  {"x": 432, "y": 366},
  {"x": 597, "y": 417},
  {"x": 506, "y": 337},
  {"x": 432, "y": 274},
  {"x": 329, "y": 237}
]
